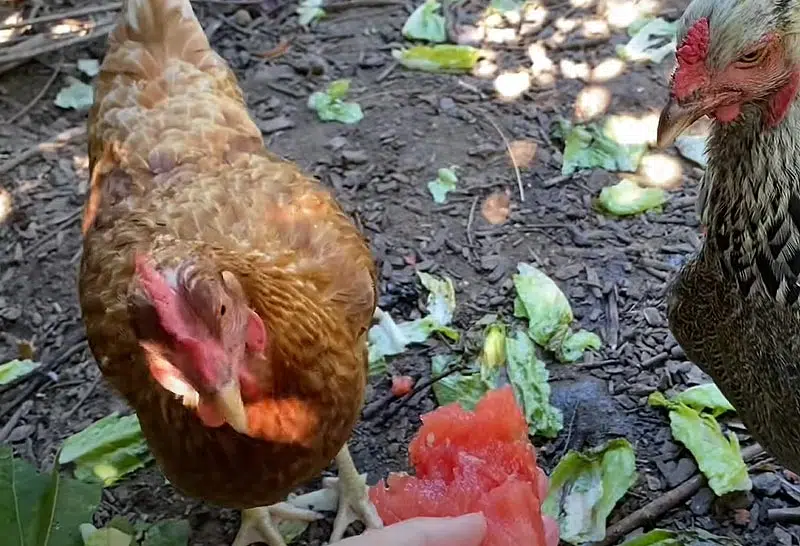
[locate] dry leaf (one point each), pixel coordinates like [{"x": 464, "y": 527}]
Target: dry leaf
[
  {"x": 496, "y": 207},
  {"x": 25, "y": 350},
  {"x": 741, "y": 516},
  {"x": 523, "y": 152}
]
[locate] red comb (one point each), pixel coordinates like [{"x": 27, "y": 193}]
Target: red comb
[
  {"x": 691, "y": 73},
  {"x": 694, "y": 47}
]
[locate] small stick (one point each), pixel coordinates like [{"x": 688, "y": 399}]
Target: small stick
[
  {"x": 59, "y": 140},
  {"x": 25, "y": 407},
  {"x": 660, "y": 506},
  {"x": 82, "y": 399},
  {"x": 470, "y": 220},
  {"x": 489, "y": 119},
  {"x": 775, "y": 515},
  {"x": 24, "y": 54},
  {"x": 81, "y": 12},
  {"x": 38, "y": 96}
]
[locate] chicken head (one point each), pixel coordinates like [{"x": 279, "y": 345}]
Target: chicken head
[
  {"x": 732, "y": 55},
  {"x": 197, "y": 332}
]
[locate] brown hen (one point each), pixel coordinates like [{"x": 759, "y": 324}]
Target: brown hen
[{"x": 225, "y": 293}]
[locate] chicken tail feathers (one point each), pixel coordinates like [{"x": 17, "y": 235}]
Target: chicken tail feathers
[{"x": 166, "y": 29}]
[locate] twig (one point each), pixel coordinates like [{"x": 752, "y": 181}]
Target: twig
[
  {"x": 25, "y": 407},
  {"x": 81, "y": 12},
  {"x": 470, "y": 220},
  {"x": 38, "y": 96},
  {"x": 25, "y": 53},
  {"x": 83, "y": 398},
  {"x": 74, "y": 215},
  {"x": 59, "y": 140},
  {"x": 775, "y": 515},
  {"x": 660, "y": 506},
  {"x": 497, "y": 128},
  {"x": 351, "y": 4},
  {"x": 554, "y": 181}
]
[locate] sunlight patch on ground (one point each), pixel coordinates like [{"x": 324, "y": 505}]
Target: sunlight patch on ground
[
  {"x": 543, "y": 68},
  {"x": 592, "y": 101},
  {"x": 621, "y": 13},
  {"x": 71, "y": 26},
  {"x": 572, "y": 70},
  {"x": 510, "y": 85},
  {"x": 595, "y": 28},
  {"x": 628, "y": 129},
  {"x": 5, "y": 205},
  {"x": 607, "y": 70},
  {"x": 485, "y": 69},
  {"x": 661, "y": 170},
  {"x": 8, "y": 34},
  {"x": 580, "y": 3}
]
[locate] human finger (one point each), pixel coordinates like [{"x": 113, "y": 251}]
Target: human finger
[{"x": 466, "y": 530}]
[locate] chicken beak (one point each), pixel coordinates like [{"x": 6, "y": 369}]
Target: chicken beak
[
  {"x": 674, "y": 120},
  {"x": 228, "y": 402}
]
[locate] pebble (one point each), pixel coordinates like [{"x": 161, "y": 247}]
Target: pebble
[
  {"x": 766, "y": 483},
  {"x": 356, "y": 157},
  {"x": 274, "y": 125},
  {"x": 242, "y": 18},
  {"x": 702, "y": 501},
  {"x": 653, "y": 316},
  {"x": 783, "y": 536},
  {"x": 685, "y": 469}
]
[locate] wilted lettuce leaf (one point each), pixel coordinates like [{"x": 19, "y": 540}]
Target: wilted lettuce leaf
[
  {"x": 652, "y": 41},
  {"x": 330, "y": 106},
  {"x": 585, "y": 487},
  {"x": 107, "y": 449},
  {"x": 626, "y": 198},
  {"x": 466, "y": 387},
  {"x": 42, "y": 510},
  {"x": 15, "y": 369},
  {"x": 168, "y": 532},
  {"x": 592, "y": 147},
  {"x": 309, "y": 11},
  {"x": 426, "y": 23},
  {"x": 441, "y": 301},
  {"x": 445, "y": 182},
  {"x": 695, "y": 537},
  {"x": 549, "y": 315},
  {"x": 530, "y": 377},
  {"x": 575, "y": 344},
  {"x": 718, "y": 457},
  {"x": 693, "y": 148},
  {"x": 107, "y": 536},
  {"x": 77, "y": 95},
  {"x": 705, "y": 397},
  {"x": 438, "y": 58},
  {"x": 493, "y": 353}
]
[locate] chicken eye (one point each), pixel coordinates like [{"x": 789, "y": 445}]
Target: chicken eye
[
  {"x": 751, "y": 57},
  {"x": 222, "y": 311}
]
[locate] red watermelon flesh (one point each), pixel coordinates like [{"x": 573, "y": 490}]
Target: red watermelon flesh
[{"x": 466, "y": 462}]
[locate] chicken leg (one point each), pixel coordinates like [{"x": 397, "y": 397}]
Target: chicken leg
[
  {"x": 260, "y": 525},
  {"x": 354, "y": 503}
]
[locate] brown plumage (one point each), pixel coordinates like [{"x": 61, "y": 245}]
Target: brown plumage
[
  {"x": 249, "y": 260},
  {"x": 735, "y": 308}
]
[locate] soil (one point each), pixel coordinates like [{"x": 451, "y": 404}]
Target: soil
[{"x": 613, "y": 270}]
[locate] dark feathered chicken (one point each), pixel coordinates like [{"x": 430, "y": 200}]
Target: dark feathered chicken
[{"x": 734, "y": 308}]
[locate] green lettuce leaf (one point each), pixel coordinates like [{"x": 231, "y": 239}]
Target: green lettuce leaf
[
  {"x": 705, "y": 397},
  {"x": 626, "y": 198},
  {"x": 592, "y": 147},
  {"x": 653, "y": 42},
  {"x": 438, "y": 58},
  {"x": 585, "y": 487},
  {"x": 445, "y": 182},
  {"x": 529, "y": 377},
  {"x": 695, "y": 537},
  {"x": 15, "y": 369},
  {"x": 330, "y": 106},
  {"x": 718, "y": 457},
  {"x": 426, "y": 23},
  {"x": 465, "y": 387},
  {"x": 107, "y": 450}
]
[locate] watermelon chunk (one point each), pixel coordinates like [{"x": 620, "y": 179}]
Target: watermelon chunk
[{"x": 467, "y": 462}]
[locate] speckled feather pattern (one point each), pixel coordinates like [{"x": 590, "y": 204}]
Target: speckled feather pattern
[
  {"x": 179, "y": 171},
  {"x": 734, "y": 307}
]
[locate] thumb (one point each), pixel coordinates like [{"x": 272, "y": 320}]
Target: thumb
[{"x": 461, "y": 531}]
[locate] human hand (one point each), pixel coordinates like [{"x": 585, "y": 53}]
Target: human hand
[{"x": 466, "y": 530}]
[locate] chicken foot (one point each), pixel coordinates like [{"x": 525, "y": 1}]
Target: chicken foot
[
  {"x": 349, "y": 492},
  {"x": 260, "y": 525}
]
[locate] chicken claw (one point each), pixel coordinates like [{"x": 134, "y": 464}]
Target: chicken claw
[
  {"x": 260, "y": 525},
  {"x": 354, "y": 503},
  {"x": 349, "y": 492}
]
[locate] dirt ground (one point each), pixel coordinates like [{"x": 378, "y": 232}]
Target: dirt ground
[{"x": 613, "y": 271}]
